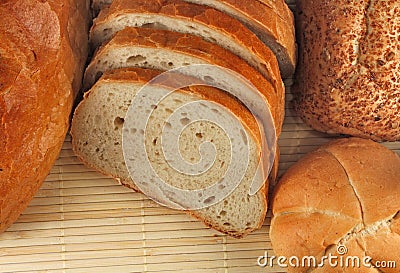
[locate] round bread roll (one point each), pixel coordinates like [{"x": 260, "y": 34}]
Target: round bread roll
[{"x": 340, "y": 202}]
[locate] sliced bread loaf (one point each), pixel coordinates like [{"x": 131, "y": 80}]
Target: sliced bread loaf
[
  {"x": 97, "y": 130},
  {"x": 164, "y": 50},
  {"x": 271, "y": 21},
  {"x": 177, "y": 15}
]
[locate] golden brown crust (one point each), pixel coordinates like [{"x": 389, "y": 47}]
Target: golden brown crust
[
  {"x": 374, "y": 172},
  {"x": 41, "y": 65},
  {"x": 316, "y": 171},
  {"x": 273, "y": 21},
  {"x": 349, "y": 67},
  {"x": 182, "y": 11},
  {"x": 273, "y": 90},
  {"x": 387, "y": 240},
  {"x": 353, "y": 186}
]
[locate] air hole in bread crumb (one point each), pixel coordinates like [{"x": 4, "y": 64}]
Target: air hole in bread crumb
[
  {"x": 203, "y": 105},
  {"x": 199, "y": 135},
  {"x": 222, "y": 213},
  {"x": 118, "y": 122},
  {"x": 1, "y": 169},
  {"x": 167, "y": 125},
  {"x": 226, "y": 224},
  {"x": 185, "y": 121},
  {"x": 135, "y": 59},
  {"x": 106, "y": 30},
  {"x": 209, "y": 200},
  {"x": 212, "y": 40},
  {"x": 155, "y": 141},
  {"x": 209, "y": 79}
]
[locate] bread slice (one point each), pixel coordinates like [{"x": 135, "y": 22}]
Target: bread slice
[
  {"x": 164, "y": 50},
  {"x": 97, "y": 139},
  {"x": 271, "y": 21},
  {"x": 177, "y": 15}
]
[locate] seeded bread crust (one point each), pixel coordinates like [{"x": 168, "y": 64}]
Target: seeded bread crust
[{"x": 349, "y": 67}]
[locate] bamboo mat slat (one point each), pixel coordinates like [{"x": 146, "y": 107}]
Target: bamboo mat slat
[{"x": 82, "y": 222}]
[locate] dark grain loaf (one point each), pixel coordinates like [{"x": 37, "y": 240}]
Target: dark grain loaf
[
  {"x": 42, "y": 56},
  {"x": 349, "y": 67}
]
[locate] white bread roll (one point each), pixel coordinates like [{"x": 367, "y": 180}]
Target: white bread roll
[{"x": 346, "y": 193}]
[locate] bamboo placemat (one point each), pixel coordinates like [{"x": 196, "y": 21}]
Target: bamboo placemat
[{"x": 82, "y": 221}]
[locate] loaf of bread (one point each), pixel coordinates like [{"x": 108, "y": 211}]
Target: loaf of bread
[
  {"x": 271, "y": 21},
  {"x": 177, "y": 15},
  {"x": 349, "y": 67},
  {"x": 97, "y": 134},
  {"x": 43, "y": 50},
  {"x": 341, "y": 200}
]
